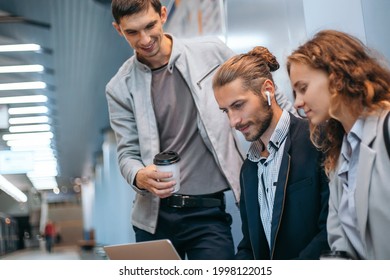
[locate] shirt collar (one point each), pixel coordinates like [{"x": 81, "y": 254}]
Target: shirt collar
[
  {"x": 277, "y": 138},
  {"x": 357, "y": 130},
  {"x": 350, "y": 142},
  {"x": 352, "y": 138}
]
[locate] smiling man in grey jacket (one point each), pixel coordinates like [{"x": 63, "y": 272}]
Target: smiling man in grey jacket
[{"x": 161, "y": 99}]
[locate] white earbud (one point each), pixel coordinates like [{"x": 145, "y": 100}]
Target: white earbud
[{"x": 268, "y": 97}]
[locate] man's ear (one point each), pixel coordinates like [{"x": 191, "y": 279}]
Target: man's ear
[
  {"x": 117, "y": 28},
  {"x": 268, "y": 85},
  {"x": 164, "y": 14}
]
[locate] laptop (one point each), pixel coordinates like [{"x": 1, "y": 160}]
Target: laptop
[{"x": 147, "y": 250}]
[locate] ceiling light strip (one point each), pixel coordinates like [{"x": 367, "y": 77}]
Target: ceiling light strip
[
  {"x": 29, "y": 142},
  {"x": 23, "y": 86},
  {"x": 29, "y": 120},
  {"x": 21, "y": 69},
  {"x": 19, "y": 136},
  {"x": 24, "y": 99},
  {"x": 28, "y": 110},
  {"x": 12, "y": 190},
  {"x": 20, "y": 48},
  {"x": 29, "y": 128}
]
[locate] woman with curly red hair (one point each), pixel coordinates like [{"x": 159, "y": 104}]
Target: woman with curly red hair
[{"x": 345, "y": 93}]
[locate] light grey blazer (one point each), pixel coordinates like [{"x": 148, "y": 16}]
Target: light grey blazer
[{"x": 372, "y": 196}]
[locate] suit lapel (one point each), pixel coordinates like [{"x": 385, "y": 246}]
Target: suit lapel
[
  {"x": 364, "y": 171},
  {"x": 250, "y": 183},
  {"x": 280, "y": 192}
]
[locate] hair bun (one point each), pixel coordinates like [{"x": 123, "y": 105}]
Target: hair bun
[{"x": 266, "y": 56}]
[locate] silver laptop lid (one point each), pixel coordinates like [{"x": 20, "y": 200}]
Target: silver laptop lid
[{"x": 148, "y": 250}]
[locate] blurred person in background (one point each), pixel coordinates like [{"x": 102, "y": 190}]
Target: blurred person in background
[{"x": 49, "y": 233}]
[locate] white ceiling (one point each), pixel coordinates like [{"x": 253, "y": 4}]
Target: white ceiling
[{"x": 83, "y": 53}]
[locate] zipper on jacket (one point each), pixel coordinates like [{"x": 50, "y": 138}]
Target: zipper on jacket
[
  {"x": 205, "y": 76},
  {"x": 281, "y": 214},
  {"x": 214, "y": 153}
]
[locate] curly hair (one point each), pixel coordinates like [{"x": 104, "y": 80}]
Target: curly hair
[{"x": 357, "y": 80}]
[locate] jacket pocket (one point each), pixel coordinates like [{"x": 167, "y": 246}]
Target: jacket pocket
[
  {"x": 300, "y": 185},
  {"x": 206, "y": 75}
]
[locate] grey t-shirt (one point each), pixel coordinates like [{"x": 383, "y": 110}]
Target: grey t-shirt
[{"x": 176, "y": 116}]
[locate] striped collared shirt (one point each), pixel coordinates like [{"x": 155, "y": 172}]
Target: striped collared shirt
[{"x": 268, "y": 170}]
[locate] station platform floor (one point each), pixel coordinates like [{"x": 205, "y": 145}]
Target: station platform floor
[{"x": 58, "y": 253}]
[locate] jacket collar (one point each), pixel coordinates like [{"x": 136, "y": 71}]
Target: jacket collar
[
  {"x": 277, "y": 138},
  {"x": 177, "y": 47},
  {"x": 251, "y": 194},
  {"x": 365, "y": 167}
]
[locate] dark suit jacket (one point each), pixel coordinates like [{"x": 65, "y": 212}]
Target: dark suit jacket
[{"x": 298, "y": 229}]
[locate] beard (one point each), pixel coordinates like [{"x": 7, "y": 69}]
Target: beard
[{"x": 262, "y": 124}]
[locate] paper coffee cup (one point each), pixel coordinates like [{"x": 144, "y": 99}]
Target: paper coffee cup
[{"x": 169, "y": 162}]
